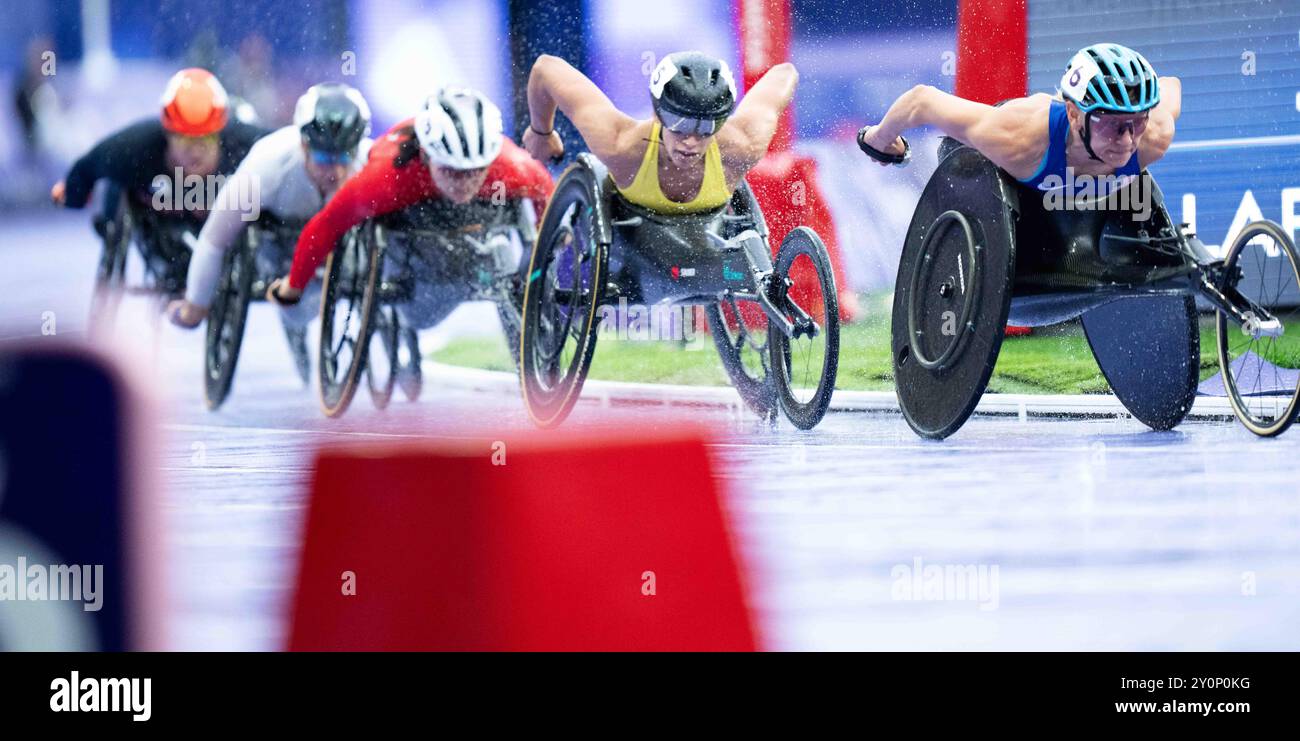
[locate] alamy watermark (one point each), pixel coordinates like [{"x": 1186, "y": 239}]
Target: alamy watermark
[
  {"x": 207, "y": 193},
  {"x": 946, "y": 582},
  {"x": 1075, "y": 192},
  {"x": 639, "y": 322},
  {"x": 22, "y": 581}
]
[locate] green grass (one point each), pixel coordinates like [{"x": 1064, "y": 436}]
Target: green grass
[{"x": 1053, "y": 360}]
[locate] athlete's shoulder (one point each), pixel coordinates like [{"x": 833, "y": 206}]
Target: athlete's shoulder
[
  {"x": 279, "y": 146},
  {"x": 274, "y": 155},
  {"x": 389, "y": 144},
  {"x": 138, "y": 133}
]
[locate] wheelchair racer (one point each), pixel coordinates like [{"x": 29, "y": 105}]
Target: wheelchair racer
[
  {"x": 691, "y": 155},
  {"x": 1113, "y": 117},
  {"x": 295, "y": 171},
  {"x": 454, "y": 150},
  {"x": 192, "y": 132}
]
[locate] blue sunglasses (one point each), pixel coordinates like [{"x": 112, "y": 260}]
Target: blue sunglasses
[{"x": 331, "y": 158}]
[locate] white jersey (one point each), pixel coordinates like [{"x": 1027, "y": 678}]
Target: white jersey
[{"x": 272, "y": 178}]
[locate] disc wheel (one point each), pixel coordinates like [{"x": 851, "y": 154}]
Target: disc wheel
[
  {"x": 347, "y": 314},
  {"x": 227, "y": 318},
  {"x": 561, "y": 293},
  {"x": 953, "y": 293},
  {"x": 806, "y": 363},
  {"x": 1262, "y": 266}
]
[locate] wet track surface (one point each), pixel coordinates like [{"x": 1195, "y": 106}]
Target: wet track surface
[{"x": 1104, "y": 535}]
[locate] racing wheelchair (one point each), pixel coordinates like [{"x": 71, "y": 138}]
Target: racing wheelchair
[
  {"x": 404, "y": 271},
  {"x": 159, "y": 242},
  {"x": 263, "y": 251},
  {"x": 983, "y": 250},
  {"x": 596, "y": 249}
]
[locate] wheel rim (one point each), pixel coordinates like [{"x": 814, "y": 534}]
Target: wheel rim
[
  {"x": 566, "y": 285},
  {"x": 345, "y": 320},
  {"x": 381, "y": 356},
  {"x": 947, "y": 273},
  {"x": 225, "y": 331},
  {"x": 1264, "y": 269},
  {"x": 808, "y": 357}
]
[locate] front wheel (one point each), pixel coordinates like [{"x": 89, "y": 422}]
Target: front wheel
[
  {"x": 805, "y": 363},
  {"x": 226, "y": 321},
  {"x": 1261, "y": 364}
]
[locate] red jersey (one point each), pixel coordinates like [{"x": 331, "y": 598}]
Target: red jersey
[{"x": 381, "y": 188}]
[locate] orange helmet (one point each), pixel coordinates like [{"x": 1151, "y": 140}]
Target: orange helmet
[{"x": 194, "y": 103}]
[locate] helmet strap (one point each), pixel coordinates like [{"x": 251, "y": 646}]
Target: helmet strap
[{"x": 1087, "y": 137}]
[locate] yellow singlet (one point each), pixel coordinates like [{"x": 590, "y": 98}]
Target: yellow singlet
[{"x": 645, "y": 191}]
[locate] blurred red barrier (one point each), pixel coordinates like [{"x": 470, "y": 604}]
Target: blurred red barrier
[
  {"x": 785, "y": 183},
  {"x": 580, "y": 543}
]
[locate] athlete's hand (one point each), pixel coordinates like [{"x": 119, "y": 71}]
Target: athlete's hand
[
  {"x": 548, "y": 148},
  {"x": 184, "y": 314},
  {"x": 281, "y": 293},
  {"x": 895, "y": 147},
  {"x": 59, "y": 193}
]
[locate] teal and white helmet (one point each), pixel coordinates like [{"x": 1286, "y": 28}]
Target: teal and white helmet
[{"x": 1109, "y": 78}]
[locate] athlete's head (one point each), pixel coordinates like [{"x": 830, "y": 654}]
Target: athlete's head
[
  {"x": 693, "y": 94},
  {"x": 333, "y": 119},
  {"x": 1110, "y": 90},
  {"x": 194, "y": 110},
  {"x": 460, "y": 133}
]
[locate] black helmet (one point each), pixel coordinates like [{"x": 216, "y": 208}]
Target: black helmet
[
  {"x": 693, "y": 86},
  {"x": 332, "y": 117}
]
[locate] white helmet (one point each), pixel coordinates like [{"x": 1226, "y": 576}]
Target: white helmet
[{"x": 459, "y": 128}]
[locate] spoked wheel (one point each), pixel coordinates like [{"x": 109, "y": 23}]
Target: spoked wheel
[
  {"x": 226, "y": 320},
  {"x": 805, "y": 362},
  {"x": 563, "y": 289},
  {"x": 1261, "y": 365},
  {"x": 742, "y": 339},
  {"x": 110, "y": 276},
  {"x": 381, "y": 356},
  {"x": 347, "y": 313}
]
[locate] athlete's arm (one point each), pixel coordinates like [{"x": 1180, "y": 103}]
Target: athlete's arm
[
  {"x": 1012, "y": 136},
  {"x": 1160, "y": 127},
  {"x": 122, "y": 156},
  {"x": 232, "y": 212},
  {"x": 747, "y": 135},
  {"x": 378, "y": 189},
  {"x": 554, "y": 83},
  {"x": 75, "y": 189}
]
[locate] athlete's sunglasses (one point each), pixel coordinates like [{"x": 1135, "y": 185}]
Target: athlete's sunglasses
[
  {"x": 332, "y": 158},
  {"x": 686, "y": 126},
  {"x": 1113, "y": 126}
]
